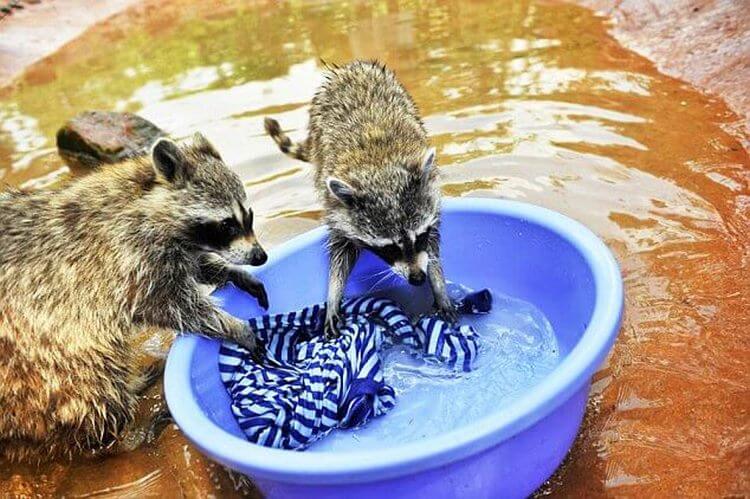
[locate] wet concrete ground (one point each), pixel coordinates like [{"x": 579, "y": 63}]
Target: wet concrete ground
[
  {"x": 703, "y": 42},
  {"x": 29, "y": 34},
  {"x": 526, "y": 100}
]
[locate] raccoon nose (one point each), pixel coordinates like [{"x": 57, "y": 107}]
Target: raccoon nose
[
  {"x": 258, "y": 256},
  {"x": 416, "y": 278}
]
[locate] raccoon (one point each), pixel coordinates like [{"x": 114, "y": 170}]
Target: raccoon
[
  {"x": 375, "y": 174},
  {"x": 86, "y": 267}
]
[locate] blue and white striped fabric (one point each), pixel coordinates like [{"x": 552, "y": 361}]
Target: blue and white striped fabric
[{"x": 309, "y": 385}]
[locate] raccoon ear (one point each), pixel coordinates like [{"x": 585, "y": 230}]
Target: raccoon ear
[
  {"x": 168, "y": 159},
  {"x": 428, "y": 162},
  {"x": 341, "y": 190},
  {"x": 202, "y": 144}
]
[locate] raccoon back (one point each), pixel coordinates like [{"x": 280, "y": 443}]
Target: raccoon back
[{"x": 362, "y": 117}]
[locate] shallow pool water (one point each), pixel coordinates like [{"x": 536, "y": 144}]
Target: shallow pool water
[
  {"x": 525, "y": 99},
  {"x": 517, "y": 349}
]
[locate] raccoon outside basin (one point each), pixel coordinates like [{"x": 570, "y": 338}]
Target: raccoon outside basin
[{"x": 521, "y": 250}]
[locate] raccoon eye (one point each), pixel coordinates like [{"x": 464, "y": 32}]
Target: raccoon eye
[
  {"x": 213, "y": 234},
  {"x": 421, "y": 240},
  {"x": 229, "y": 227},
  {"x": 390, "y": 253}
]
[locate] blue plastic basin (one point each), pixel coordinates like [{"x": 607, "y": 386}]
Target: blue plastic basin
[{"x": 523, "y": 251}]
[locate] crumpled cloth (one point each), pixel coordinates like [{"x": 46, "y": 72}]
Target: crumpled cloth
[{"x": 307, "y": 386}]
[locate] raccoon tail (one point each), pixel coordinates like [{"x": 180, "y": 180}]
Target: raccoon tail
[{"x": 297, "y": 150}]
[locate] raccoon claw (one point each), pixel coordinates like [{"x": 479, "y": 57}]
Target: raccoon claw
[
  {"x": 254, "y": 287},
  {"x": 261, "y": 295},
  {"x": 258, "y": 354},
  {"x": 331, "y": 328},
  {"x": 257, "y": 351},
  {"x": 157, "y": 424},
  {"x": 246, "y": 338},
  {"x": 448, "y": 312}
]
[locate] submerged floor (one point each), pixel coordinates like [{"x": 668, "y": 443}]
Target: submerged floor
[{"x": 525, "y": 100}]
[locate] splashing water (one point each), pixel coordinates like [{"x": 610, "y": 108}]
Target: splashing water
[{"x": 518, "y": 348}]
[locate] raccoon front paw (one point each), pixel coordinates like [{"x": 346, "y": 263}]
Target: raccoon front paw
[
  {"x": 253, "y": 286},
  {"x": 258, "y": 354},
  {"x": 246, "y": 339},
  {"x": 133, "y": 435},
  {"x": 447, "y": 311},
  {"x": 331, "y": 328},
  {"x": 157, "y": 423}
]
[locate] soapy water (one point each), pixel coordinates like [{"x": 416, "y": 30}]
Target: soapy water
[{"x": 517, "y": 349}]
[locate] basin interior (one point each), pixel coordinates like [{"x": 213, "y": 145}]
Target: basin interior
[{"x": 512, "y": 256}]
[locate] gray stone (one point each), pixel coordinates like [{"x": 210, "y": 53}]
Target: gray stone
[{"x": 95, "y": 137}]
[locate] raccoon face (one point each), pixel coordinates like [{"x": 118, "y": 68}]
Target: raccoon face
[
  {"x": 212, "y": 200},
  {"x": 232, "y": 237},
  {"x": 408, "y": 255},
  {"x": 396, "y": 217}
]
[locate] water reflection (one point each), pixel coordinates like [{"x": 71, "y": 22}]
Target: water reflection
[{"x": 524, "y": 100}]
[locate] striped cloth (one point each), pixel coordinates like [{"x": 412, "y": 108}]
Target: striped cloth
[{"x": 309, "y": 385}]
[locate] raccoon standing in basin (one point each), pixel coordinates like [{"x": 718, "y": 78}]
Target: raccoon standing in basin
[
  {"x": 375, "y": 174},
  {"x": 86, "y": 267}
]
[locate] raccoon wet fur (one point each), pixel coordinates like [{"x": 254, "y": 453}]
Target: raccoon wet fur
[
  {"x": 85, "y": 267},
  {"x": 375, "y": 174}
]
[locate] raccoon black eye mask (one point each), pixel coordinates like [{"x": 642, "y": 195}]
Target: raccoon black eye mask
[
  {"x": 216, "y": 239},
  {"x": 391, "y": 253},
  {"x": 216, "y": 234}
]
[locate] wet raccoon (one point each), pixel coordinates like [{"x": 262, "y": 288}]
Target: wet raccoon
[
  {"x": 375, "y": 174},
  {"x": 84, "y": 268}
]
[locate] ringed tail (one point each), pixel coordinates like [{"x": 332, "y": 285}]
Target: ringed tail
[{"x": 297, "y": 150}]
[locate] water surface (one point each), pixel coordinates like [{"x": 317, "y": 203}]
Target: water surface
[
  {"x": 525, "y": 100},
  {"x": 517, "y": 349}
]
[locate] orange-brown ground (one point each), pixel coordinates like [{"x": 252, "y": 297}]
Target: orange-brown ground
[
  {"x": 704, "y": 42},
  {"x": 527, "y": 100},
  {"x": 31, "y": 33}
]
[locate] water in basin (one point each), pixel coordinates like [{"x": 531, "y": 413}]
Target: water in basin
[{"x": 518, "y": 348}]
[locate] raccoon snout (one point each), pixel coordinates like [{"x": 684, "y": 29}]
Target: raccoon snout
[
  {"x": 247, "y": 250},
  {"x": 416, "y": 269},
  {"x": 411, "y": 272},
  {"x": 257, "y": 255}
]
